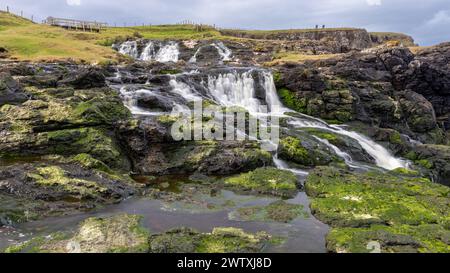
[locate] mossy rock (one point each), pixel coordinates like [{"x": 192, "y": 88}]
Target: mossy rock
[
  {"x": 397, "y": 239},
  {"x": 291, "y": 101},
  {"x": 393, "y": 200},
  {"x": 54, "y": 176},
  {"x": 293, "y": 149},
  {"x": 279, "y": 211},
  {"x": 117, "y": 234},
  {"x": 102, "y": 111},
  {"x": 93, "y": 141},
  {"x": 89, "y": 162},
  {"x": 270, "y": 181},
  {"x": 220, "y": 240}
]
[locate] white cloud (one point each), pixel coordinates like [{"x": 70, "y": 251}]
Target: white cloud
[
  {"x": 440, "y": 18},
  {"x": 73, "y": 2},
  {"x": 374, "y": 2}
]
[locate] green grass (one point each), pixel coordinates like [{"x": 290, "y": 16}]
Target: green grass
[{"x": 28, "y": 41}]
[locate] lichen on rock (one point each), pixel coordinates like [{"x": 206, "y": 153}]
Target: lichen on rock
[{"x": 270, "y": 181}]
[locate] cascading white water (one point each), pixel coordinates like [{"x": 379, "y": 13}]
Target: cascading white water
[
  {"x": 149, "y": 52},
  {"x": 168, "y": 53},
  {"x": 345, "y": 156},
  {"x": 193, "y": 59},
  {"x": 130, "y": 101},
  {"x": 234, "y": 89},
  {"x": 272, "y": 99},
  {"x": 224, "y": 52},
  {"x": 183, "y": 89},
  {"x": 280, "y": 164},
  {"x": 238, "y": 89},
  {"x": 129, "y": 48},
  {"x": 383, "y": 157}
]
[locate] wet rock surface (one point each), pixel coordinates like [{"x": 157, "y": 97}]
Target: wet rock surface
[{"x": 400, "y": 210}]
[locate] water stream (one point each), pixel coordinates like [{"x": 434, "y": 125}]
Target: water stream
[{"x": 249, "y": 88}]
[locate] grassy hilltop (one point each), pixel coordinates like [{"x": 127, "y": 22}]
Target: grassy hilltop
[{"x": 26, "y": 40}]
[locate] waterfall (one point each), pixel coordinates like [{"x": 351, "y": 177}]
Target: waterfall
[
  {"x": 237, "y": 88},
  {"x": 345, "y": 156},
  {"x": 149, "y": 52},
  {"x": 224, "y": 52},
  {"x": 280, "y": 164},
  {"x": 168, "y": 53},
  {"x": 234, "y": 89},
  {"x": 129, "y": 48},
  {"x": 193, "y": 59},
  {"x": 183, "y": 89},
  {"x": 383, "y": 157},
  {"x": 272, "y": 99}
]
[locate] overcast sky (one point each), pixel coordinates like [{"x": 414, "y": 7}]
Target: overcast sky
[{"x": 427, "y": 21}]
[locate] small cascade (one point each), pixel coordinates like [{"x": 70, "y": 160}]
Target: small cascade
[
  {"x": 224, "y": 52},
  {"x": 234, "y": 89},
  {"x": 383, "y": 157},
  {"x": 282, "y": 165},
  {"x": 183, "y": 89},
  {"x": 193, "y": 59},
  {"x": 168, "y": 53},
  {"x": 345, "y": 156},
  {"x": 238, "y": 88},
  {"x": 272, "y": 99},
  {"x": 149, "y": 52},
  {"x": 153, "y": 51},
  {"x": 129, "y": 48}
]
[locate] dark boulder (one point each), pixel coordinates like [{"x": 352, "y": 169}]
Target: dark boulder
[
  {"x": 10, "y": 90},
  {"x": 84, "y": 78}
]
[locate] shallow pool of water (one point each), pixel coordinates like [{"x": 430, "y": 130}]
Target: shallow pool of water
[{"x": 303, "y": 235}]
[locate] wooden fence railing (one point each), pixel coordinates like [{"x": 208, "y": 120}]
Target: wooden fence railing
[{"x": 92, "y": 26}]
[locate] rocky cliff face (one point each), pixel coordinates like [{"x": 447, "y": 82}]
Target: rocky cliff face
[
  {"x": 389, "y": 89},
  {"x": 383, "y": 37},
  {"x": 340, "y": 40}
]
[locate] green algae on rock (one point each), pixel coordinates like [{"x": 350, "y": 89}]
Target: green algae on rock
[
  {"x": 117, "y": 234},
  {"x": 220, "y": 240},
  {"x": 279, "y": 211},
  {"x": 54, "y": 187},
  {"x": 270, "y": 181},
  {"x": 304, "y": 152},
  {"x": 402, "y": 204}
]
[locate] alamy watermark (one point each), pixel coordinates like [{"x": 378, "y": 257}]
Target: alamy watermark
[{"x": 227, "y": 123}]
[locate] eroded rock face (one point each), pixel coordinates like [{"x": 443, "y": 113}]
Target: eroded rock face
[
  {"x": 57, "y": 187},
  {"x": 10, "y": 90},
  {"x": 58, "y": 152},
  {"x": 151, "y": 148},
  {"x": 337, "y": 40},
  {"x": 384, "y": 87},
  {"x": 429, "y": 75}
]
